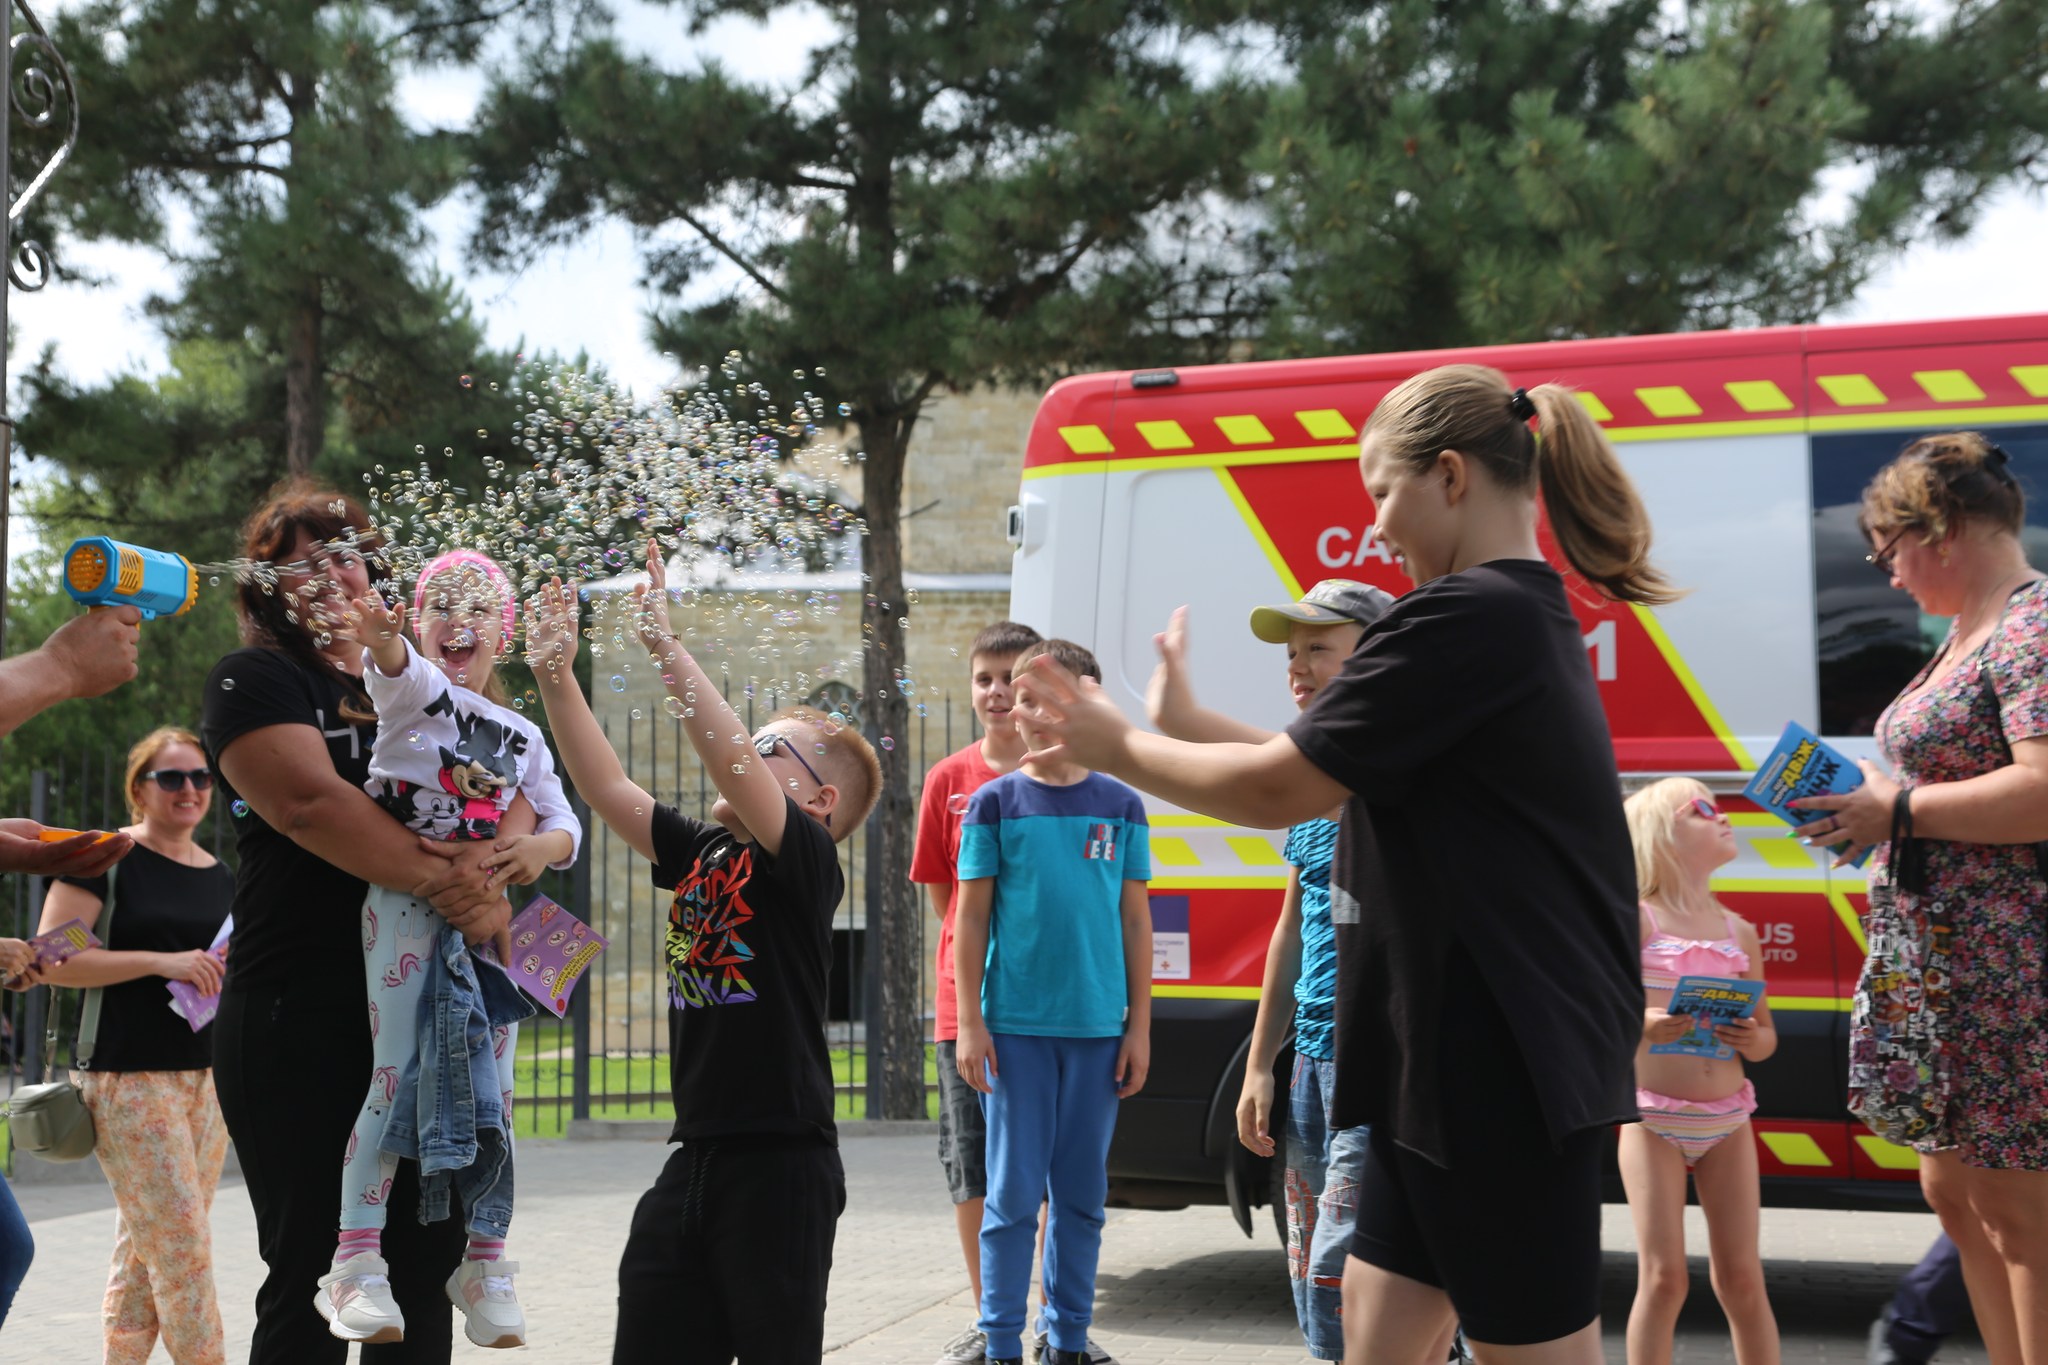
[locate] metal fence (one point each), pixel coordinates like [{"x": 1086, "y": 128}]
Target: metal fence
[{"x": 609, "y": 1057}]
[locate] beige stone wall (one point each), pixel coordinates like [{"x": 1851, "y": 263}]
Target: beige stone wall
[{"x": 966, "y": 461}]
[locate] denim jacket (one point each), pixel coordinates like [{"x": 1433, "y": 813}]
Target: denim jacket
[{"x": 449, "y": 1115}]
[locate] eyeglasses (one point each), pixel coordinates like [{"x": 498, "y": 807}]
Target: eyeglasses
[
  {"x": 1881, "y": 560},
  {"x": 768, "y": 741},
  {"x": 1705, "y": 809},
  {"x": 174, "y": 779}
]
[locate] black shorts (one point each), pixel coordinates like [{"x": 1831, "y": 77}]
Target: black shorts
[{"x": 1511, "y": 1231}]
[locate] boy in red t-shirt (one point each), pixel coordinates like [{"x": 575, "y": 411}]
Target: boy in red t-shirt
[{"x": 952, "y": 781}]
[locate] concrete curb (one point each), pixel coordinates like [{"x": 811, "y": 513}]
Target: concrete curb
[{"x": 657, "y": 1130}]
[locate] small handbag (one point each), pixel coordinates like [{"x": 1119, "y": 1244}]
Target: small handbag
[
  {"x": 1900, "y": 1068},
  {"x": 51, "y": 1119}
]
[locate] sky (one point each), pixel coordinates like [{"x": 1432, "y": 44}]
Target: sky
[{"x": 587, "y": 296}]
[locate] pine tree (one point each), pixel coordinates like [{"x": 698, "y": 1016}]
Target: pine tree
[
  {"x": 1451, "y": 172},
  {"x": 960, "y": 195}
]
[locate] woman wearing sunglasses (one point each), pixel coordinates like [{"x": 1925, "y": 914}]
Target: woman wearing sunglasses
[
  {"x": 148, "y": 1080},
  {"x": 1695, "y": 1108}
]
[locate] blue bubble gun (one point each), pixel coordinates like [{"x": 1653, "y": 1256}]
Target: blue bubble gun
[{"x": 102, "y": 572}]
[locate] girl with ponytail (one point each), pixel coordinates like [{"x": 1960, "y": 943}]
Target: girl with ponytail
[{"x": 1483, "y": 887}]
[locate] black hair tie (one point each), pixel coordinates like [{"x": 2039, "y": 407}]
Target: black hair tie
[
  {"x": 1999, "y": 463},
  {"x": 1521, "y": 406}
]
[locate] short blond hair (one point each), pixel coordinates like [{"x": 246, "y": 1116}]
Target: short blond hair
[
  {"x": 1652, "y": 815},
  {"x": 848, "y": 760},
  {"x": 145, "y": 752}
]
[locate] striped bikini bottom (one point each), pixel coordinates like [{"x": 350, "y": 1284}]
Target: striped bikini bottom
[{"x": 1695, "y": 1127}]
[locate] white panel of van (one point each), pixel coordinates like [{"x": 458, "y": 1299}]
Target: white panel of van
[
  {"x": 1172, "y": 537},
  {"x": 1058, "y": 564},
  {"x": 1733, "y": 523}
]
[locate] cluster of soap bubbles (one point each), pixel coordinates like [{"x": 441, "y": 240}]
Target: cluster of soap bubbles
[{"x": 709, "y": 469}]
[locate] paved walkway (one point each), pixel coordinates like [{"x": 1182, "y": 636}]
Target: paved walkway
[{"x": 1174, "y": 1287}]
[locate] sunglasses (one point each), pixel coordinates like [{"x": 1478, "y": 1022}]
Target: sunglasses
[
  {"x": 1881, "y": 560},
  {"x": 173, "y": 779},
  {"x": 768, "y": 741},
  {"x": 1705, "y": 809}
]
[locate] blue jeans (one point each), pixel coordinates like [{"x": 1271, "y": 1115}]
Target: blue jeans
[
  {"x": 1050, "y": 1115},
  {"x": 1323, "y": 1165},
  {"x": 17, "y": 1249}
]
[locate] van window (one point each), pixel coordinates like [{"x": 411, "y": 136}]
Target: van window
[{"x": 1872, "y": 639}]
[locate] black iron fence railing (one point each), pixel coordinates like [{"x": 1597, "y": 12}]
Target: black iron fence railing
[{"x": 608, "y": 1059}]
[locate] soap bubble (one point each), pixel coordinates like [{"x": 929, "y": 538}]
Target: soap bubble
[
  {"x": 888, "y": 742},
  {"x": 618, "y": 683},
  {"x": 466, "y": 381},
  {"x": 227, "y": 684},
  {"x": 415, "y": 740},
  {"x": 238, "y": 809}
]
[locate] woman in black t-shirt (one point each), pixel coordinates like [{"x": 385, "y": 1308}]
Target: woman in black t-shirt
[
  {"x": 1483, "y": 872},
  {"x": 289, "y": 730},
  {"x": 160, "y": 1137}
]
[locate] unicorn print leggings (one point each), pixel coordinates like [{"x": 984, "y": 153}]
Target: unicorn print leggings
[{"x": 399, "y": 934}]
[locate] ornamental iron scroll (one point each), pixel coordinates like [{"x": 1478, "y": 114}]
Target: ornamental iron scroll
[{"x": 39, "y": 86}]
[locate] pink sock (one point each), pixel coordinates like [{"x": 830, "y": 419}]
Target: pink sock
[
  {"x": 485, "y": 1249},
  {"x": 356, "y": 1241}
]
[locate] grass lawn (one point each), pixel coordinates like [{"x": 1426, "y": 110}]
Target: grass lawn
[{"x": 637, "y": 1087}]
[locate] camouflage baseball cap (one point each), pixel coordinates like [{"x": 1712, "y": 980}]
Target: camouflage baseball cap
[{"x": 1329, "y": 603}]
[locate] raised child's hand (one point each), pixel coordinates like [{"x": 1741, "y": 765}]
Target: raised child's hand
[
  {"x": 371, "y": 622},
  {"x": 650, "y": 616},
  {"x": 1169, "y": 693},
  {"x": 551, "y": 628}
]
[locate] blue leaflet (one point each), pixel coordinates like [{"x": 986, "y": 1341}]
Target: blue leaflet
[
  {"x": 1710, "y": 1000},
  {"x": 1802, "y": 765}
]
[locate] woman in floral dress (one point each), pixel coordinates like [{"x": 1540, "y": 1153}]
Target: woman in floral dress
[{"x": 1968, "y": 742}]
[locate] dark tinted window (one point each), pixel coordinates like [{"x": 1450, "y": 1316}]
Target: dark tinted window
[{"x": 1872, "y": 638}]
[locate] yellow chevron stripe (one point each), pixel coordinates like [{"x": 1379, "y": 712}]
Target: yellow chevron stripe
[{"x": 1258, "y": 530}]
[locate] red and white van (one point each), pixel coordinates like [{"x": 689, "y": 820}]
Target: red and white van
[{"x": 1228, "y": 486}]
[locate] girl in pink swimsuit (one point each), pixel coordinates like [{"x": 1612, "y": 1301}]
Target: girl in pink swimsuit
[{"x": 1695, "y": 1110}]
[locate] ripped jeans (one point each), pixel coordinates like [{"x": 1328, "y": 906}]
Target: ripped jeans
[{"x": 1323, "y": 1165}]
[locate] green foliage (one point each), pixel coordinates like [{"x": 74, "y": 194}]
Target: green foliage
[{"x": 1445, "y": 174}]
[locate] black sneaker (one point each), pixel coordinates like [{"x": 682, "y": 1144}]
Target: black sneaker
[{"x": 1002, "y": 1360}]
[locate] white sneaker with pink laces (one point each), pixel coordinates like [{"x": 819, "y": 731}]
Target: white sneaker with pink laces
[
  {"x": 490, "y": 1309},
  {"x": 355, "y": 1298}
]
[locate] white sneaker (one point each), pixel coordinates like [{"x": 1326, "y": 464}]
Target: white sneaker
[
  {"x": 355, "y": 1298},
  {"x": 490, "y": 1309},
  {"x": 969, "y": 1348}
]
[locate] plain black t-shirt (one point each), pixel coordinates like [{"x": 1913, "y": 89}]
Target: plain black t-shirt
[
  {"x": 1486, "y": 812},
  {"x": 298, "y": 918},
  {"x": 160, "y": 906},
  {"x": 748, "y": 953}
]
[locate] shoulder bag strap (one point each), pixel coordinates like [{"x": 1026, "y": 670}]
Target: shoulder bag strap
[{"x": 89, "y": 1020}]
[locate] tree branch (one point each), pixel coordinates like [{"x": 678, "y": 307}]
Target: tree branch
[
  {"x": 718, "y": 244},
  {"x": 489, "y": 16}
]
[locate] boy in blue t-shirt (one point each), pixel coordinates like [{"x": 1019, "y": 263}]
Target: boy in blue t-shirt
[{"x": 1052, "y": 946}]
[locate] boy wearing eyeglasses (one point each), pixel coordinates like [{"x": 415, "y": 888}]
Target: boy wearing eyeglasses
[{"x": 733, "y": 1244}]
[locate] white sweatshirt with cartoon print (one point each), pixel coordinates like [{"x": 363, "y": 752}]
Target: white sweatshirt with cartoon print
[{"x": 447, "y": 762}]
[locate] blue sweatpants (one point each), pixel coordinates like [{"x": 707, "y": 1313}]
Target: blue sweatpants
[{"x": 1051, "y": 1110}]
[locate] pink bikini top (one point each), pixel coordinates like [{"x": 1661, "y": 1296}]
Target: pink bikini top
[{"x": 1667, "y": 957}]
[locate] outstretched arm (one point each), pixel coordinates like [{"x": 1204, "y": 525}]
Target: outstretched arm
[
  {"x": 587, "y": 756},
  {"x": 1259, "y": 786},
  {"x": 1170, "y": 699},
  {"x": 716, "y": 732}
]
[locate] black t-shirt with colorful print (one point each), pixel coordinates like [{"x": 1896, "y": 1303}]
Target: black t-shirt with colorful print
[{"x": 748, "y": 952}]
